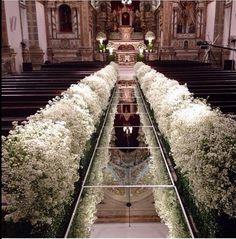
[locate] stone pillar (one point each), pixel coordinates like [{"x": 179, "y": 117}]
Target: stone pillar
[
  {"x": 36, "y": 53},
  {"x": 85, "y": 52},
  {"x": 219, "y": 31},
  {"x": 167, "y": 51},
  {"x": 8, "y": 54}
]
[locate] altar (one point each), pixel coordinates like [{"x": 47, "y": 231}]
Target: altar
[
  {"x": 125, "y": 48},
  {"x": 126, "y": 57}
]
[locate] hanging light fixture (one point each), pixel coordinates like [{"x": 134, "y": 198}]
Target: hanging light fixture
[{"x": 128, "y": 2}]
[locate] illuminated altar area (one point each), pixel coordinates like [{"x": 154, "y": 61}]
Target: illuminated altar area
[{"x": 126, "y": 33}]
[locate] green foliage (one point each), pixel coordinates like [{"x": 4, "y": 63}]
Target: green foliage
[
  {"x": 149, "y": 46},
  {"x": 111, "y": 58},
  {"x": 140, "y": 57},
  {"x": 101, "y": 47}
]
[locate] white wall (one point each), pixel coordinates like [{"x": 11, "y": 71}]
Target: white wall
[
  {"x": 42, "y": 35},
  {"x": 14, "y": 30},
  {"x": 211, "y": 9}
]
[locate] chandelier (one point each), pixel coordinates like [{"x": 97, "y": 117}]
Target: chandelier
[{"x": 126, "y": 2}]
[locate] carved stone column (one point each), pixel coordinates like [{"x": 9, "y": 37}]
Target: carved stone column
[
  {"x": 36, "y": 53},
  {"x": 219, "y": 31},
  {"x": 8, "y": 54},
  {"x": 167, "y": 51}
]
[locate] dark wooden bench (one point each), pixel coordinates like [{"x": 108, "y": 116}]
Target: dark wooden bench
[
  {"x": 214, "y": 84},
  {"x": 23, "y": 94}
]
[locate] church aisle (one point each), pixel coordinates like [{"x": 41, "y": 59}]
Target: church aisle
[{"x": 123, "y": 188}]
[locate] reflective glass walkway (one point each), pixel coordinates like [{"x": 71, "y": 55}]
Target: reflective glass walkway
[{"x": 129, "y": 189}]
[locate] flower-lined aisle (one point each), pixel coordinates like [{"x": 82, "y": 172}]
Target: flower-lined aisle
[
  {"x": 202, "y": 140},
  {"x": 41, "y": 157}
]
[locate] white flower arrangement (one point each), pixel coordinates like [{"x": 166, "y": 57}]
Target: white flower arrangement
[
  {"x": 86, "y": 213},
  {"x": 41, "y": 156},
  {"x": 39, "y": 171},
  {"x": 147, "y": 80},
  {"x": 99, "y": 86},
  {"x": 77, "y": 119},
  {"x": 89, "y": 96},
  {"x": 115, "y": 66},
  {"x": 108, "y": 74},
  {"x": 177, "y": 97},
  {"x": 142, "y": 70},
  {"x": 101, "y": 36},
  {"x": 202, "y": 141},
  {"x": 138, "y": 65},
  {"x": 168, "y": 209},
  {"x": 141, "y": 47},
  {"x": 207, "y": 156},
  {"x": 150, "y": 36}
]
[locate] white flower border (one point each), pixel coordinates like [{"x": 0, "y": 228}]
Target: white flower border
[
  {"x": 202, "y": 140},
  {"x": 41, "y": 156}
]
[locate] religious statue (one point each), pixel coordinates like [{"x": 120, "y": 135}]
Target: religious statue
[
  {"x": 115, "y": 21},
  {"x": 137, "y": 21}
]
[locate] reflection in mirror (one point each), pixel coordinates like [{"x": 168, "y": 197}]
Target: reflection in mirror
[{"x": 128, "y": 190}]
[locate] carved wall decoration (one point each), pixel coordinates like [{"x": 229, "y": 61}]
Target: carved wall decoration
[
  {"x": 64, "y": 29},
  {"x": 137, "y": 21},
  {"x": 186, "y": 17},
  {"x": 126, "y": 47}
]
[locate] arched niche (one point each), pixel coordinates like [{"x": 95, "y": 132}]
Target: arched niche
[
  {"x": 65, "y": 21},
  {"x": 125, "y": 19}
]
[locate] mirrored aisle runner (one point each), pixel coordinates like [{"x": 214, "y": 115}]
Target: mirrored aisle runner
[{"x": 128, "y": 178}]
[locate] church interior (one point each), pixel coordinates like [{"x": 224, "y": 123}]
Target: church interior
[{"x": 118, "y": 118}]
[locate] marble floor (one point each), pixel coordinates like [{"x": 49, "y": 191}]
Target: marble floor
[
  {"x": 126, "y": 72},
  {"x": 136, "y": 230}
]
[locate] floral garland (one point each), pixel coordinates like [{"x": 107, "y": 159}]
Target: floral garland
[
  {"x": 202, "y": 140},
  {"x": 41, "y": 156}
]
